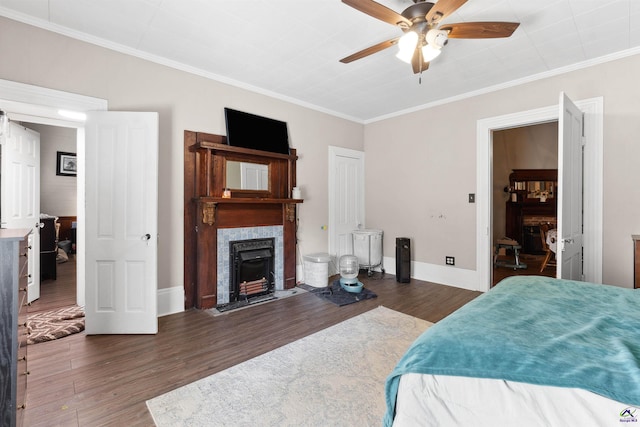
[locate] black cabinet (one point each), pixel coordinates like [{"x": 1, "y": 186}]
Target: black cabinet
[
  {"x": 531, "y": 240},
  {"x": 403, "y": 259},
  {"x": 48, "y": 249}
]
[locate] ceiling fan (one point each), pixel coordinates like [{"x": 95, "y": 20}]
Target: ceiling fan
[{"x": 423, "y": 35}]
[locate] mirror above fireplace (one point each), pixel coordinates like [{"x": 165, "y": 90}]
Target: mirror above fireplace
[{"x": 247, "y": 176}]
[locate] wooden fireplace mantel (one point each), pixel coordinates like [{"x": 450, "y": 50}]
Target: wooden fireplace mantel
[
  {"x": 206, "y": 209},
  {"x": 207, "y": 206}
]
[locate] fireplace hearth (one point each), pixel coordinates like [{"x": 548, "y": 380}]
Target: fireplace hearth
[{"x": 251, "y": 269}]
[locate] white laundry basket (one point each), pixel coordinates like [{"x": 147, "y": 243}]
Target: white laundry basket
[
  {"x": 316, "y": 270},
  {"x": 367, "y": 246}
]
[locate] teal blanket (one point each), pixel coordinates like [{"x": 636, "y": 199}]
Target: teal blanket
[{"x": 536, "y": 330}]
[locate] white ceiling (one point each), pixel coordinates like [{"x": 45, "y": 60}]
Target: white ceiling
[{"x": 291, "y": 48}]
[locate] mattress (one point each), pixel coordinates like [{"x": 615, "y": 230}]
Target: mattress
[{"x": 441, "y": 400}]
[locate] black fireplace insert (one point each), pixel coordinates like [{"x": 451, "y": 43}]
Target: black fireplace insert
[{"x": 251, "y": 266}]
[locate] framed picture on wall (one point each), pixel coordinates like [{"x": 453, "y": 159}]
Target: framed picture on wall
[{"x": 66, "y": 164}]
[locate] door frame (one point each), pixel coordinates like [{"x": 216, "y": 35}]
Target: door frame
[
  {"x": 41, "y": 105},
  {"x": 334, "y": 153},
  {"x": 593, "y": 110}
]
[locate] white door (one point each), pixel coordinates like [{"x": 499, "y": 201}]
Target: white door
[
  {"x": 346, "y": 198},
  {"x": 254, "y": 176},
  {"x": 570, "y": 183},
  {"x": 121, "y": 224},
  {"x": 20, "y": 204}
]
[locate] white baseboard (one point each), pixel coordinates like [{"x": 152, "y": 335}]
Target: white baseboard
[
  {"x": 444, "y": 275},
  {"x": 170, "y": 300}
]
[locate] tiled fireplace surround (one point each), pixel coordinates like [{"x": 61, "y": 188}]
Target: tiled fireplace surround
[{"x": 226, "y": 235}]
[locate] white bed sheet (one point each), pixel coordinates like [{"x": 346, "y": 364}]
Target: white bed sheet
[{"x": 438, "y": 400}]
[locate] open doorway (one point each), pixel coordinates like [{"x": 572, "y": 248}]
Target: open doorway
[
  {"x": 34, "y": 104},
  {"x": 58, "y": 210},
  {"x": 525, "y": 164},
  {"x": 28, "y": 103},
  {"x": 592, "y": 183}
]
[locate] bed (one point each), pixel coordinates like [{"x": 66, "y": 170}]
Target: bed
[{"x": 531, "y": 351}]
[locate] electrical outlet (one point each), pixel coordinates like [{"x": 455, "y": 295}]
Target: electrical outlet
[
  {"x": 449, "y": 260},
  {"x": 472, "y": 198}
]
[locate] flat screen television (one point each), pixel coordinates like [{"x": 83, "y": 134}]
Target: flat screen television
[{"x": 256, "y": 132}]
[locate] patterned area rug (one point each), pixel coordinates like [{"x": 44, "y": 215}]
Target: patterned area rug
[
  {"x": 334, "y": 377},
  {"x": 51, "y": 325}
]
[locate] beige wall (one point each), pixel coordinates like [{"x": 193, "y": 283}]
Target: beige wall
[
  {"x": 184, "y": 101},
  {"x": 421, "y": 166},
  {"x": 58, "y": 194}
]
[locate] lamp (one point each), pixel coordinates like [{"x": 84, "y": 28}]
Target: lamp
[
  {"x": 407, "y": 46},
  {"x": 431, "y": 43},
  {"x": 4, "y": 122},
  {"x": 429, "y": 52},
  {"x": 437, "y": 38}
]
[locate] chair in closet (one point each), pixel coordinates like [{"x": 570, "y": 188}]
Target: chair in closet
[{"x": 550, "y": 256}]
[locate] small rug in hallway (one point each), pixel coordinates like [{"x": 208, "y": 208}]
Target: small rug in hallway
[
  {"x": 335, "y": 294},
  {"x": 333, "y": 377},
  {"x": 50, "y": 325}
]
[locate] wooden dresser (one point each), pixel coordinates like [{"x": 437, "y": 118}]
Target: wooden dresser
[{"x": 13, "y": 331}]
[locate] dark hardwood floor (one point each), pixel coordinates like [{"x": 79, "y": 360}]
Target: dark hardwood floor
[
  {"x": 57, "y": 293},
  {"x": 533, "y": 262},
  {"x": 103, "y": 380}
]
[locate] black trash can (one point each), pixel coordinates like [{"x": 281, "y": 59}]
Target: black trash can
[{"x": 403, "y": 259}]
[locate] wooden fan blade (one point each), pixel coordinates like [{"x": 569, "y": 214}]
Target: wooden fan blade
[
  {"x": 370, "y": 50},
  {"x": 417, "y": 63},
  {"x": 442, "y": 9},
  {"x": 480, "y": 30},
  {"x": 379, "y": 11}
]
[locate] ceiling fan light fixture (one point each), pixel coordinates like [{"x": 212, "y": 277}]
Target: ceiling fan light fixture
[
  {"x": 437, "y": 38},
  {"x": 405, "y": 56},
  {"x": 420, "y": 24},
  {"x": 429, "y": 52},
  {"x": 407, "y": 46}
]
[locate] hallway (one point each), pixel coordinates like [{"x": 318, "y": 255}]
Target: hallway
[{"x": 57, "y": 293}]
